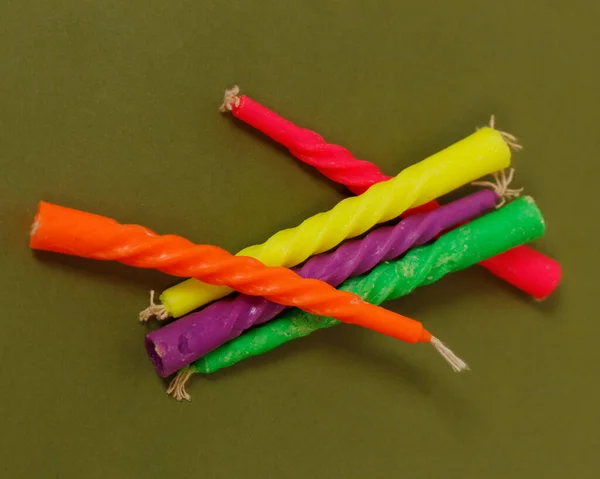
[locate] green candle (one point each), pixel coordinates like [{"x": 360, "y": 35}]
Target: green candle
[{"x": 510, "y": 226}]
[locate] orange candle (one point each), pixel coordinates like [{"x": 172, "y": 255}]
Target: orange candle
[{"x": 74, "y": 232}]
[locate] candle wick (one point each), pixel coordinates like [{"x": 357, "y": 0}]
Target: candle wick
[
  {"x": 511, "y": 140},
  {"x": 157, "y": 311},
  {"x": 230, "y": 99},
  {"x": 501, "y": 185},
  {"x": 457, "y": 364},
  {"x": 177, "y": 386}
]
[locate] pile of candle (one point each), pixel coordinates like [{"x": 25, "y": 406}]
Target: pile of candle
[{"x": 277, "y": 304}]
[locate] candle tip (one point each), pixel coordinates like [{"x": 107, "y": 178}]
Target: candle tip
[
  {"x": 34, "y": 227},
  {"x": 501, "y": 185},
  {"x": 177, "y": 387},
  {"x": 230, "y": 99},
  {"x": 510, "y": 139},
  {"x": 157, "y": 311},
  {"x": 455, "y": 362}
]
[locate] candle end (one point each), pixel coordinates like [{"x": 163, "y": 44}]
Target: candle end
[
  {"x": 177, "y": 387},
  {"x": 500, "y": 186},
  {"x": 510, "y": 139},
  {"x": 230, "y": 99},
  {"x": 34, "y": 227},
  {"x": 157, "y": 311},
  {"x": 455, "y": 362}
]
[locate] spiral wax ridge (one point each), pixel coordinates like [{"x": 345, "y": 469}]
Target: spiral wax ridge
[{"x": 65, "y": 230}]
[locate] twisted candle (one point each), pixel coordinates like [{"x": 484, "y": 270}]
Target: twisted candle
[
  {"x": 196, "y": 334},
  {"x": 514, "y": 224},
  {"x": 65, "y": 230},
  {"x": 334, "y": 161},
  {"x": 481, "y": 153},
  {"x": 525, "y": 268}
]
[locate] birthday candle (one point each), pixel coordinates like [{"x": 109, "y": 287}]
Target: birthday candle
[
  {"x": 204, "y": 330},
  {"x": 481, "y": 153},
  {"x": 69, "y": 231},
  {"x": 525, "y": 268},
  {"x": 333, "y": 161},
  {"x": 514, "y": 224}
]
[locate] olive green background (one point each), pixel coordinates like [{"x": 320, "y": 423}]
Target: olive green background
[{"x": 111, "y": 107}]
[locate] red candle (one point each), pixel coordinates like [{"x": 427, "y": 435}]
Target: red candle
[{"x": 523, "y": 267}]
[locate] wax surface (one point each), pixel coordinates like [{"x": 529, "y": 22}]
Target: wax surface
[
  {"x": 524, "y": 268},
  {"x": 65, "y": 230},
  {"x": 196, "y": 334},
  {"x": 334, "y": 161},
  {"x": 512, "y": 225},
  {"x": 477, "y": 155},
  {"x": 529, "y": 270}
]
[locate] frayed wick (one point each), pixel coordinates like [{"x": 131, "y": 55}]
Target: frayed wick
[
  {"x": 501, "y": 186},
  {"x": 157, "y": 311},
  {"x": 230, "y": 99},
  {"x": 452, "y": 359},
  {"x": 177, "y": 386},
  {"x": 510, "y": 139}
]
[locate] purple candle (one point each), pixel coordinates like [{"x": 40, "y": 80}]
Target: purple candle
[{"x": 181, "y": 342}]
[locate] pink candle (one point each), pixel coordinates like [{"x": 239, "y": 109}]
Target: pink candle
[{"x": 523, "y": 267}]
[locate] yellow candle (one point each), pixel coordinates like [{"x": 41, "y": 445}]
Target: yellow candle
[{"x": 477, "y": 155}]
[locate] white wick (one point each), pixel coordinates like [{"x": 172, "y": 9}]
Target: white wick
[
  {"x": 230, "y": 98},
  {"x": 457, "y": 364}
]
